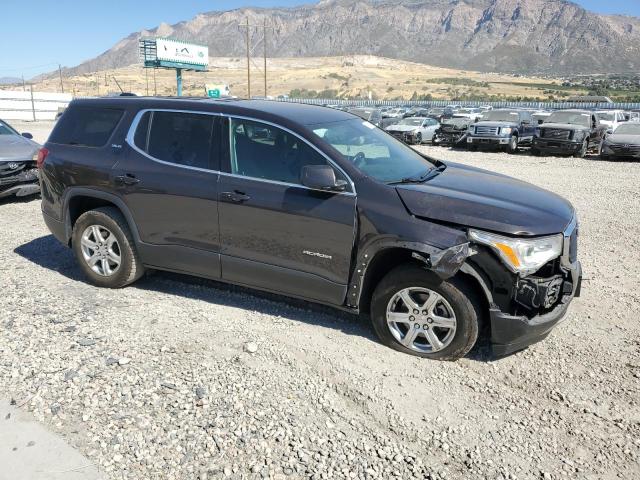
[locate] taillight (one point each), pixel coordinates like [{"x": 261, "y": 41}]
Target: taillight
[{"x": 42, "y": 156}]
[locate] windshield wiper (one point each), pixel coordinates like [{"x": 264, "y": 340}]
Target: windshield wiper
[{"x": 422, "y": 178}]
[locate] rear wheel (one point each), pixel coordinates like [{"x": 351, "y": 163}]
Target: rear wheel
[
  {"x": 105, "y": 249},
  {"x": 414, "y": 311}
]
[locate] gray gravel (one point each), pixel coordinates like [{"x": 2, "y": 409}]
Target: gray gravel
[{"x": 181, "y": 378}]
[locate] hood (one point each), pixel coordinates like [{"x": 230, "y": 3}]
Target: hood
[
  {"x": 563, "y": 126},
  {"x": 485, "y": 200},
  {"x": 402, "y": 128},
  {"x": 622, "y": 138},
  {"x": 495, "y": 124},
  {"x": 16, "y": 148}
]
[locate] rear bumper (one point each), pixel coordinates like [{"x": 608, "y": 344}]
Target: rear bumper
[
  {"x": 57, "y": 228},
  {"x": 556, "y": 146},
  {"x": 511, "y": 333}
]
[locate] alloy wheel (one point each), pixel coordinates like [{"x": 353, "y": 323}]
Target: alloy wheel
[
  {"x": 101, "y": 250},
  {"x": 421, "y": 319}
]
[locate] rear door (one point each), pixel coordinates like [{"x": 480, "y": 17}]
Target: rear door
[
  {"x": 277, "y": 234},
  {"x": 168, "y": 179}
]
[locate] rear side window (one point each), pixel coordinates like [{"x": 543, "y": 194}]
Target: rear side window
[
  {"x": 86, "y": 126},
  {"x": 175, "y": 137}
]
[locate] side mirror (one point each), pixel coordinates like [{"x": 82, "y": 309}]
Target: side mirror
[
  {"x": 321, "y": 177},
  {"x": 27, "y": 135},
  {"x": 608, "y": 132}
]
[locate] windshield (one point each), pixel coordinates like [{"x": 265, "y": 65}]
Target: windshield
[
  {"x": 628, "y": 129},
  {"x": 500, "y": 116},
  {"x": 416, "y": 122},
  {"x": 374, "y": 152},
  {"x": 5, "y": 129},
  {"x": 572, "y": 118},
  {"x": 606, "y": 116}
]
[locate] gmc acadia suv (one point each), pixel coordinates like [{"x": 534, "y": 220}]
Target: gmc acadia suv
[{"x": 314, "y": 203}]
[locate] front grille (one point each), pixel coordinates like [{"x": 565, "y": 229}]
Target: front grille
[
  {"x": 625, "y": 149},
  {"x": 555, "y": 133},
  {"x": 486, "y": 130},
  {"x": 5, "y": 170}
]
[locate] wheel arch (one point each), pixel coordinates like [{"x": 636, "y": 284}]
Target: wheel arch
[{"x": 79, "y": 200}]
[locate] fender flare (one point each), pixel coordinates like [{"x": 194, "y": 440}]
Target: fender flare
[
  {"x": 445, "y": 262},
  {"x": 73, "y": 192}
]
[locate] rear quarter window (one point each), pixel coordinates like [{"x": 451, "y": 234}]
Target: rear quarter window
[{"x": 86, "y": 126}]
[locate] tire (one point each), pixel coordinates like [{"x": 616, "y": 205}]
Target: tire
[
  {"x": 464, "y": 310},
  {"x": 512, "y": 146},
  {"x": 583, "y": 150},
  {"x": 113, "y": 237}
]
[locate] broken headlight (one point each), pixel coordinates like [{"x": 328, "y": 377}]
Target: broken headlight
[{"x": 521, "y": 255}]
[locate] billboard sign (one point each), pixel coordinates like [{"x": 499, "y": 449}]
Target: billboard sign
[{"x": 170, "y": 53}]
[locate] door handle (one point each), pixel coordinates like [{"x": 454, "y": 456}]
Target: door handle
[
  {"x": 127, "y": 179},
  {"x": 235, "y": 196}
]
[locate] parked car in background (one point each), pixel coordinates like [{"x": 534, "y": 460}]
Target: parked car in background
[
  {"x": 623, "y": 143},
  {"x": 505, "y": 128},
  {"x": 397, "y": 112},
  {"x": 539, "y": 117},
  {"x": 569, "y": 132},
  {"x": 18, "y": 173},
  {"x": 472, "y": 114},
  {"x": 440, "y": 113},
  {"x": 322, "y": 207},
  {"x": 414, "y": 130},
  {"x": 371, "y": 115},
  {"x": 611, "y": 118},
  {"x": 452, "y": 132}
]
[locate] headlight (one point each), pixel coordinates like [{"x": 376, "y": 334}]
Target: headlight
[
  {"x": 505, "y": 130},
  {"x": 578, "y": 135},
  {"x": 521, "y": 255}
]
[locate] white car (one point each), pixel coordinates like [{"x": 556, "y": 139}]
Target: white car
[
  {"x": 611, "y": 118},
  {"x": 414, "y": 130},
  {"x": 472, "y": 114}
]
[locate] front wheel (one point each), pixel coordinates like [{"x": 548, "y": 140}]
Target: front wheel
[
  {"x": 583, "y": 150},
  {"x": 418, "y": 138},
  {"x": 512, "y": 146},
  {"x": 415, "y": 312}
]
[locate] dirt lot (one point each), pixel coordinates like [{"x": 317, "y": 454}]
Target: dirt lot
[{"x": 161, "y": 380}]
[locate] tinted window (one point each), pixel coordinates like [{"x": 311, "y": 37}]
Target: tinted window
[
  {"x": 142, "y": 131},
  {"x": 259, "y": 150},
  {"x": 86, "y": 126},
  {"x": 181, "y": 138}
]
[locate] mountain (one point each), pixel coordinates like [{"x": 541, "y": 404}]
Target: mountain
[
  {"x": 524, "y": 36},
  {"x": 10, "y": 80}
]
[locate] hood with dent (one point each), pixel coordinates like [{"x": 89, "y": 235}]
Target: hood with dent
[
  {"x": 563, "y": 126},
  {"x": 16, "y": 148},
  {"x": 485, "y": 200},
  {"x": 622, "y": 138},
  {"x": 402, "y": 128}
]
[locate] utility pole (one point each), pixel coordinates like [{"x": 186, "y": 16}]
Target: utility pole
[
  {"x": 60, "y": 72},
  {"x": 155, "y": 86},
  {"x": 24, "y": 89},
  {"x": 248, "y": 61},
  {"x": 264, "y": 43}
]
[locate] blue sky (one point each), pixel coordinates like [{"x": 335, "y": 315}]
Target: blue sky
[{"x": 43, "y": 33}]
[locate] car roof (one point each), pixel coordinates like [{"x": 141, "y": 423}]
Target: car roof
[{"x": 286, "y": 112}]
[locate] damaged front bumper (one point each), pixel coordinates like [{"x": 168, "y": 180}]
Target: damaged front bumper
[
  {"x": 18, "y": 179},
  {"x": 510, "y": 333},
  {"x": 450, "y": 138}
]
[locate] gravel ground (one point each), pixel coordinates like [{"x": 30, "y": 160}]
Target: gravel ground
[{"x": 181, "y": 378}]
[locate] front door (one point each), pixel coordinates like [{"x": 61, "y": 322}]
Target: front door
[
  {"x": 277, "y": 234},
  {"x": 168, "y": 178}
]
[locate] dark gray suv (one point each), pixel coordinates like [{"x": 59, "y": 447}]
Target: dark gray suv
[{"x": 313, "y": 203}]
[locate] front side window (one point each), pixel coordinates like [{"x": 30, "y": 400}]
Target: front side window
[
  {"x": 177, "y": 137},
  {"x": 259, "y": 150},
  {"x": 373, "y": 151}
]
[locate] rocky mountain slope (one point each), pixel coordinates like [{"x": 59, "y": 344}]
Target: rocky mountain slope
[{"x": 528, "y": 36}]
